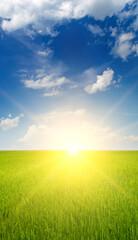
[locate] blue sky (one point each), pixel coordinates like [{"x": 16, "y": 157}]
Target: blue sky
[{"x": 69, "y": 74}]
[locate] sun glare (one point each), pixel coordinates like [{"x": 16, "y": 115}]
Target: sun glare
[{"x": 73, "y": 150}]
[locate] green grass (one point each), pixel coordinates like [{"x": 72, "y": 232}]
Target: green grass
[{"x": 55, "y": 195}]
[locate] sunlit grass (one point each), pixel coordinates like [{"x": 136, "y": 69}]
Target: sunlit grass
[{"x": 69, "y": 196}]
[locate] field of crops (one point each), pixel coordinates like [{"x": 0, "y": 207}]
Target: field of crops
[{"x": 56, "y": 195}]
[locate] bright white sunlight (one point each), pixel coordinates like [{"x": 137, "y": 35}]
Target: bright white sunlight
[{"x": 73, "y": 150}]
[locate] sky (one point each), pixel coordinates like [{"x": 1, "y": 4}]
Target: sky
[{"x": 68, "y": 74}]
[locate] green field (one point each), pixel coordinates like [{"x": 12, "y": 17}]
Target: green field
[{"x": 55, "y": 195}]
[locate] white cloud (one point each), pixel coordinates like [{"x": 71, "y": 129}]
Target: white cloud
[
  {"x": 62, "y": 130},
  {"x": 135, "y": 24},
  {"x": 47, "y": 82},
  {"x": 66, "y": 129},
  {"x": 102, "y": 83},
  {"x": 131, "y": 138},
  {"x": 9, "y": 123},
  {"x": 126, "y": 37},
  {"x": 52, "y": 93},
  {"x": 113, "y": 31},
  {"x": 17, "y": 14},
  {"x": 45, "y": 53},
  {"x": 57, "y": 130},
  {"x": 135, "y": 49},
  {"x": 96, "y": 30},
  {"x": 89, "y": 74},
  {"x": 124, "y": 46}
]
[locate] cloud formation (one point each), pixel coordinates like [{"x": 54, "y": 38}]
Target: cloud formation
[
  {"x": 17, "y": 14},
  {"x": 96, "y": 30},
  {"x": 52, "y": 93},
  {"x": 45, "y": 53},
  {"x": 51, "y": 83},
  {"x": 9, "y": 123},
  {"x": 135, "y": 24},
  {"x": 124, "y": 46},
  {"x": 67, "y": 129},
  {"x": 102, "y": 83},
  {"x": 56, "y": 130}
]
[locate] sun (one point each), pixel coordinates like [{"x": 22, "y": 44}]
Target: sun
[{"x": 73, "y": 150}]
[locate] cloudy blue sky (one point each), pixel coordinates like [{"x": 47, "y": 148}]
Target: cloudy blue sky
[{"x": 68, "y": 74}]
